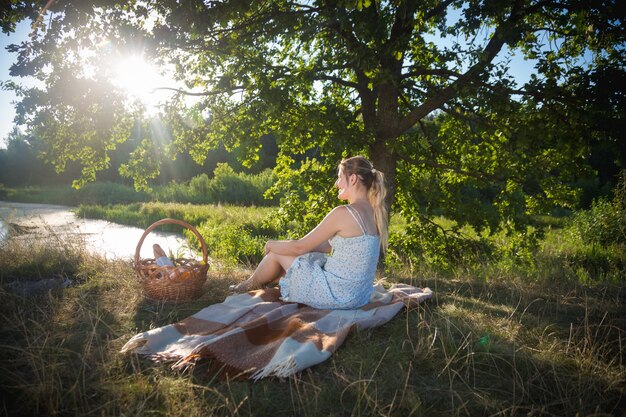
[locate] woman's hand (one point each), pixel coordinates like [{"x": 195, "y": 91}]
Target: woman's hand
[{"x": 315, "y": 240}]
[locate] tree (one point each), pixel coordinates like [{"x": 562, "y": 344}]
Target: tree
[
  {"x": 330, "y": 78},
  {"x": 21, "y": 166}
]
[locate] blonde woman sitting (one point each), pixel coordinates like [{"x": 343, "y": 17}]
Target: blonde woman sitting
[{"x": 333, "y": 266}]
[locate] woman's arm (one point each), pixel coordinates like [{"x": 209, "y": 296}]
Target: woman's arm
[
  {"x": 315, "y": 241},
  {"x": 324, "y": 247}
]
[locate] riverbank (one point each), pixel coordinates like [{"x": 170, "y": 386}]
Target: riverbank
[
  {"x": 234, "y": 235},
  {"x": 30, "y": 222}
]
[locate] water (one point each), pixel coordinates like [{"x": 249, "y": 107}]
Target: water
[{"x": 111, "y": 240}]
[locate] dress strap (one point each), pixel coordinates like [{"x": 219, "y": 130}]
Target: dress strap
[{"x": 357, "y": 217}]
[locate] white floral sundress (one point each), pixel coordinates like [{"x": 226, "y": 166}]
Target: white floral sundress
[{"x": 342, "y": 280}]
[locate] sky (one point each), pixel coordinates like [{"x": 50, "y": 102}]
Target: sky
[
  {"x": 520, "y": 69},
  {"x": 7, "y": 109}
]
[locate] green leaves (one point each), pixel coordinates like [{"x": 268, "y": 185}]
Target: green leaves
[
  {"x": 418, "y": 86},
  {"x": 143, "y": 165},
  {"x": 605, "y": 222}
]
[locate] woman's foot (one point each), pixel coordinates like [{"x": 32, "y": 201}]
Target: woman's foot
[
  {"x": 242, "y": 287},
  {"x": 235, "y": 288}
]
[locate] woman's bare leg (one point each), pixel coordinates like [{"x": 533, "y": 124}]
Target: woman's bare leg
[{"x": 270, "y": 268}]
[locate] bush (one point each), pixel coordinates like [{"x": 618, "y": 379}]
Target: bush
[
  {"x": 63, "y": 195},
  {"x": 434, "y": 245},
  {"x": 605, "y": 222},
  {"x": 226, "y": 187},
  {"x": 107, "y": 193},
  {"x": 172, "y": 193},
  {"x": 199, "y": 186},
  {"x": 232, "y": 243},
  {"x": 104, "y": 193},
  {"x": 230, "y": 187},
  {"x": 237, "y": 235}
]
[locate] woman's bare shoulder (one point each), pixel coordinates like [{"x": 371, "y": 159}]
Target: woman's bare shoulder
[
  {"x": 337, "y": 215},
  {"x": 339, "y": 211}
]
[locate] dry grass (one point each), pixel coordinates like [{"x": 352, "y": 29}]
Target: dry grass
[{"x": 495, "y": 348}]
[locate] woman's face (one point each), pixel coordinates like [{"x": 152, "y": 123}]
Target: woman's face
[{"x": 343, "y": 185}]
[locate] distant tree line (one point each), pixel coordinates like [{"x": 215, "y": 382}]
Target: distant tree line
[{"x": 21, "y": 164}]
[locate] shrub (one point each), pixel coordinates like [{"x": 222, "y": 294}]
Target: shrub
[
  {"x": 226, "y": 187},
  {"x": 172, "y": 193},
  {"x": 63, "y": 195},
  {"x": 199, "y": 187},
  {"x": 435, "y": 245},
  {"x": 107, "y": 193},
  {"x": 230, "y": 187},
  {"x": 232, "y": 243},
  {"x": 605, "y": 222}
]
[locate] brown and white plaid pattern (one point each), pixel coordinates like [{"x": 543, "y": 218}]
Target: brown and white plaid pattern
[{"x": 256, "y": 335}]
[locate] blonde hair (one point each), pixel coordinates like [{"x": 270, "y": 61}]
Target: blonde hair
[{"x": 374, "y": 182}]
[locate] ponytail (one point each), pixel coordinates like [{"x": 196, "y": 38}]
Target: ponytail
[
  {"x": 374, "y": 180},
  {"x": 376, "y": 195}
]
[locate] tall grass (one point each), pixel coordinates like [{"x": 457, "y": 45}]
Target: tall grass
[
  {"x": 500, "y": 347},
  {"x": 93, "y": 193}
]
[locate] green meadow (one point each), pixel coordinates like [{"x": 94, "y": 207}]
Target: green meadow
[{"x": 498, "y": 338}]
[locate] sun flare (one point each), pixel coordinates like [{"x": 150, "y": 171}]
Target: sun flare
[{"x": 139, "y": 79}]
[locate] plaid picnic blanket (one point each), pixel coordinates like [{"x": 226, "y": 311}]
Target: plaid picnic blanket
[{"x": 257, "y": 335}]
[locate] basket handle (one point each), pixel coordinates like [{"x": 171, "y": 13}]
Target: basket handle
[{"x": 158, "y": 223}]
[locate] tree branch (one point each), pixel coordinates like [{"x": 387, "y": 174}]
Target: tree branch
[
  {"x": 482, "y": 176},
  {"x": 203, "y": 94},
  {"x": 353, "y": 43},
  {"x": 561, "y": 33},
  {"x": 368, "y": 100},
  {"x": 465, "y": 115},
  {"x": 438, "y": 9},
  {"x": 336, "y": 80},
  {"x": 540, "y": 5},
  {"x": 427, "y": 71},
  {"x": 403, "y": 25},
  {"x": 493, "y": 47}
]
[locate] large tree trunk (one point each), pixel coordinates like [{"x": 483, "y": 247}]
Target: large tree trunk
[
  {"x": 385, "y": 161},
  {"x": 385, "y": 130}
]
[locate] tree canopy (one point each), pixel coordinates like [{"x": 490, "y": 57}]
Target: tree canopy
[{"x": 423, "y": 88}]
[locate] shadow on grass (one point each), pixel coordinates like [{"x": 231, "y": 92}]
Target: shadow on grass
[
  {"x": 476, "y": 348},
  {"x": 151, "y": 313},
  {"x": 509, "y": 350},
  {"x": 53, "y": 354}
]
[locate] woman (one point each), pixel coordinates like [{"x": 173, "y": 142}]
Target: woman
[{"x": 356, "y": 233}]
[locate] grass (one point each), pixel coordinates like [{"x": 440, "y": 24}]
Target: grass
[
  {"x": 92, "y": 193},
  {"x": 144, "y": 214},
  {"x": 233, "y": 234},
  {"x": 236, "y": 234},
  {"x": 496, "y": 339}
]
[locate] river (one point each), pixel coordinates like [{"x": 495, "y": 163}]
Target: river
[{"x": 56, "y": 223}]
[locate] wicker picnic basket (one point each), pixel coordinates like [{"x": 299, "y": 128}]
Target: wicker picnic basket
[{"x": 181, "y": 282}]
